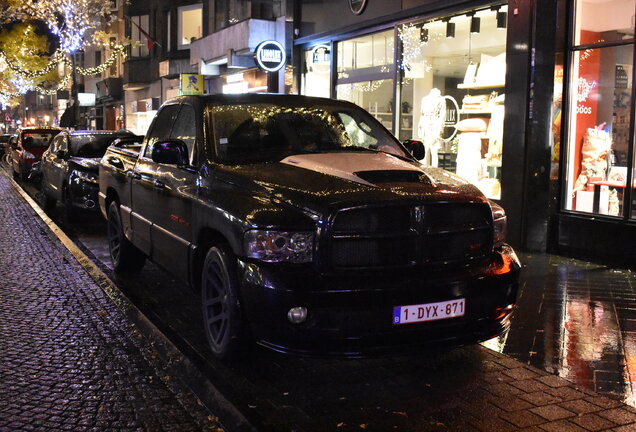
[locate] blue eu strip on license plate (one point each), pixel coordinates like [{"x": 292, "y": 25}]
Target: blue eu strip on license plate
[{"x": 429, "y": 311}]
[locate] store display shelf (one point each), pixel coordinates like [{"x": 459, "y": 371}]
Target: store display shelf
[{"x": 478, "y": 86}]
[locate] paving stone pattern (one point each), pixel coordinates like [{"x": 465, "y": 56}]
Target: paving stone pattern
[{"x": 69, "y": 360}]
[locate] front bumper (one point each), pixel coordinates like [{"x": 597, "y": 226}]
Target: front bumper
[
  {"x": 352, "y": 315},
  {"x": 83, "y": 194}
]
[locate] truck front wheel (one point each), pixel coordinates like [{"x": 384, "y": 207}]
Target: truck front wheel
[
  {"x": 222, "y": 320},
  {"x": 123, "y": 254}
]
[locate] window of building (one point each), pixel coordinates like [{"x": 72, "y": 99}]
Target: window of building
[
  {"x": 316, "y": 77},
  {"x": 189, "y": 25},
  {"x": 168, "y": 31},
  {"x": 365, "y": 74},
  {"x": 98, "y": 58},
  {"x": 228, "y": 12},
  {"x": 599, "y": 143},
  {"x": 450, "y": 92},
  {"x": 138, "y": 25}
]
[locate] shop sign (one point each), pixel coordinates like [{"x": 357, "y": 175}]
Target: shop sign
[
  {"x": 357, "y": 6},
  {"x": 270, "y": 56},
  {"x": 191, "y": 84},
  {"x": 321, "y": 59},
  {"x": 621, "y": 80},
  {"x": 450, "y": 119},
  {"x": 321, "y": 55}
]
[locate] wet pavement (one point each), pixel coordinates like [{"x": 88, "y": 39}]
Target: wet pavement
[
  {"x": 69, "y": 360},
  {"x": 575, "y": 320}
]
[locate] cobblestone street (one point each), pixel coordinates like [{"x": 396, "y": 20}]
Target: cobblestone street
[{"x": 69, "y": 360}]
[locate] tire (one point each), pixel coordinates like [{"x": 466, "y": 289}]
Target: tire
[
  {"x": 222, "y": 317},
  {"x": 123, "y": 254},
  {"x": 47, "y": 203}
]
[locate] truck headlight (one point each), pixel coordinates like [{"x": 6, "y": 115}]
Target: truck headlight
[
  {"x": 86, "y": 176},
  {"x": 279, "y": 246},
  {"x": 499, "y": 222}
]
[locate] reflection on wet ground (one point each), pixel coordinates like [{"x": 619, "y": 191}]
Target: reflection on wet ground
[{"x": 576, "y": 320}]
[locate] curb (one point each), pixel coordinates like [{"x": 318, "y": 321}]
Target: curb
[{"x": 181, "y": 366}]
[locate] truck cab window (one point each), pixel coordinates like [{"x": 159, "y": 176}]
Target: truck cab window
[
  {"x": 185, "y": 130},
  {"x": 161, "y": 126}
]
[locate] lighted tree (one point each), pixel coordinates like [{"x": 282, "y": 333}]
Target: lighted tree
[
  {"x": 74, "y": 22},
  {"x": 23, "y": 50}
]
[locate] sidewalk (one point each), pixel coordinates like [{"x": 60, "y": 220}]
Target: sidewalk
[{"x": 69, "y": 360}]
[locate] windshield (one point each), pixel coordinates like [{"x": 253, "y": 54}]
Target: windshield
[
  {"x": 91, "y": 145},
  {"x": 252, "y": 133},
  {"x": 37, "y": 138}
]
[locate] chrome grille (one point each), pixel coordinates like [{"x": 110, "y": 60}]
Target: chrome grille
[{"x": 406, "y": 236}]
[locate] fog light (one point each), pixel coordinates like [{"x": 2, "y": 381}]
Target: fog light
[{"x": 297, "y": 315}]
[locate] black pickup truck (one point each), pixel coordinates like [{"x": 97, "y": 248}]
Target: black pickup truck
[{"x": 308, "y": 228}]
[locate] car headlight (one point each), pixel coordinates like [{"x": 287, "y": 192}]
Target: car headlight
[
  {"x": 279, "y": 246},
  {"x": 86, "y": 176},
  {"x": 499, "y": 222},
  {"x": 28, "y": 155}
]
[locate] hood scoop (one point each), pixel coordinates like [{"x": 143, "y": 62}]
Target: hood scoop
[{"x": 392, "y": 176}]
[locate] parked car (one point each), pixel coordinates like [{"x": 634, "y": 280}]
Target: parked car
[
  {"x": 4, "y": 142},
  {"x": 308, "y": 227},
  {"x": 69, "y": 167},
  {"x": 29, "y": 147}
]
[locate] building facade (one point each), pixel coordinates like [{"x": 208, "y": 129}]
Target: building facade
[{"x": 461, "y": 76}]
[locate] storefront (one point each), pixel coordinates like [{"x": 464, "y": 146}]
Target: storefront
[
  {"x": 454, "y": 76},
  {"x": 598, "y": 214},
  {"x": 249, "y": 56}
]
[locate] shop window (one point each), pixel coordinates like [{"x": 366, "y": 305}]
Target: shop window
[
  {"x": 365, "y": 74},
  {"x": 190, "y": 21},
  {"x": 138, "y": 25},
  {"x": 316, "y": 71},
  {"x": 606, "y": 21},
  {"x": 599, "y": 110},
  {"x": 451, "y": 93}
]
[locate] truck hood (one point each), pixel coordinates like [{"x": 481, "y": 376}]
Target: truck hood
[
  {"x": 86, "y": 164},
  {"x": 317, "y": 182}
]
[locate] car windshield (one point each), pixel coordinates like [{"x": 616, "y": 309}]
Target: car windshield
[
  {"x": 250, "y": 133},
  {"x": 37, "y": 138},
  {"x": 91, "y": 145}
]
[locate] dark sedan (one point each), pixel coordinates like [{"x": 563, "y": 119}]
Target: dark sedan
[{"x": 69, "y": 167}]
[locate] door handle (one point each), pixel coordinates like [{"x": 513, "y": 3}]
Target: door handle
[
  {"x": 134, "y": 175},
  {"x": 115, "y": 161},
  {"x": 159, "y": 184}
]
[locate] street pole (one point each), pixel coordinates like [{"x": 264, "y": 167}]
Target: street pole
[{"x": 74, "y": 96}]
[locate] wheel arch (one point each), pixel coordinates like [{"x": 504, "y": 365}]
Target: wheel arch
[{"x": 206, "y": 238}]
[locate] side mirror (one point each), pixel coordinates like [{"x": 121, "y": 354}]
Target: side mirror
[
  {"x": 171, "y": 152},
  {"x": 416, "y": 148}
]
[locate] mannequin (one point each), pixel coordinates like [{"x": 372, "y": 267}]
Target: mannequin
[{"x": 431, "y": 123}]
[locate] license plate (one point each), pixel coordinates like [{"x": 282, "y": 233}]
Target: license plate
[{"x": 429, "y": 311}]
